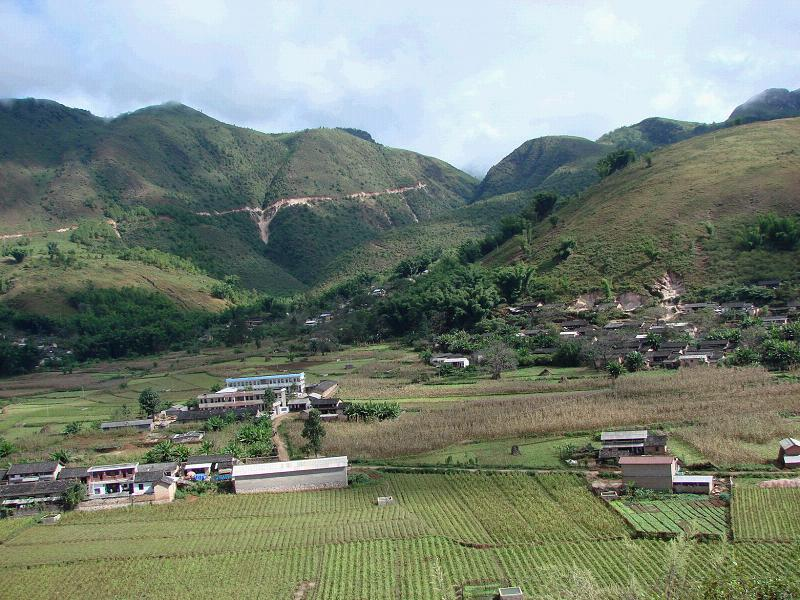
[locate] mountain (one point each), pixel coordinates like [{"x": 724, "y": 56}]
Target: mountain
[
  {"x": 774, "y": 103},
  {"x": 273, "y": 209},
  {"x": 564, "y": 164},
  {"x": 650, "y": 133},
  {"x": 683, "y": 215}
]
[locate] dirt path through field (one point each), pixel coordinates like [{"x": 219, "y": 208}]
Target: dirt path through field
[{"x": 280, "y": 445}]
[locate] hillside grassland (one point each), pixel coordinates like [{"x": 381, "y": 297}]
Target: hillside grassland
[
  {"x": 687, "y": 208},
  {"x": 443, "y": 531},
  {"x": 40, "y": 286}
]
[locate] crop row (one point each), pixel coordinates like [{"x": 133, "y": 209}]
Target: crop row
[{"x": 771, "y": 514}]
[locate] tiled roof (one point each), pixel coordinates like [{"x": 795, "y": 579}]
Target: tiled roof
[{"x": 33, "y": 468}]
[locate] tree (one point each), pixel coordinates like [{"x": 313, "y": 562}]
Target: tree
[
  {"x": 63, "y": 456},
  {"x": 654, "y": 340},
  {"x": 614, "y": 161},
  {"x": 73, "y": 495},
  {"x": 236, "y": 449},
  {"x": 72, "y": 428},
  {"x": 313, "y": 432},
  {"x": 149, "y": 401},
  {"x": 566, "y": 248},
  {"x": 780, "y": 354},
  {"x": 614, "y": 369},
  {"x": 167, "y": 451},
  {"x": 634, "y": 361},
  {"x": 18, "y": 254},
  {"x": 214, "y": 423},
  {"x": 541, "y": 206},
  {"x": 499, "y": 358},
  {"x": 6, "y": 448},
  {"x": 52, "y": 250},
  {"x": 513, "y": 281}
]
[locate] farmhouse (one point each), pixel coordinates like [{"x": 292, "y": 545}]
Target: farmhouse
[
  {"x": 617, "y": 444},
  {"x": 651, "y": 472},
  {"x": 75, "y": 474},
  {"x": 775, "y": 320},
  {"x": 789, "y": 453},
  {"x": 109, "y": 481},
  {"x": 141, "y": 424},
  {"x": 293, "y": 475},
  {"x": 37, "y": 493},
  {"x": 203, "y": 466},
  {"x": 456, "y": 360},
  {"x": 189, "y": 437},
  {"x": 325, "y": 388},
  {"x": 693, "y": 359},
  {"x": 273, "y": 382},
  {"x": 378, "y": 292},
  {"x": 35, "y": 471},
  {"x": 740, "y": 307}
]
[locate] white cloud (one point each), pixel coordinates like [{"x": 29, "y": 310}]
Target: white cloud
[{"x": 464, "y": 81}]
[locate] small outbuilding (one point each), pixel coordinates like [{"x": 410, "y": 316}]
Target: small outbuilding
[
  {"x": 789, "y": 453},
  {"x": 510, "y": 593},
  {"x": 139, "y": 424},
  {"x": 291, "y": 476},
  {"x": 693, "y": 484}
]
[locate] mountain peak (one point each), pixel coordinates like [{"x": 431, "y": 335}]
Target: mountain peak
[{"x": 772, "y": 103}]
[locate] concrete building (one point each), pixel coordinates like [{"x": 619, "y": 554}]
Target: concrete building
[
  {"x": 233, "y": 398},
  {"x": 651, "y": 472},
  {"x": 203, "y": 466},
  {"x": 293, "y": 475},
  {"x": 693, "y": 360},
  {"x": 273, "y": 382},
  {"x": 789, "y": 453},
  {"x": 110, "y": 481}
]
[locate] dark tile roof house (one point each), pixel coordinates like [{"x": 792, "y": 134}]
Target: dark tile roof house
[
  {"x": 162, "y": 467},
  {"x": 712, "y": 344},
  {"x": 80, "y": 473},
  {"x": 3, "y": 475},
  {"x": 34, "y": 489},
  {"x": 34, "y": 468},
  {"x": 673, "y": 345},
  {"x": 325, "y": 388},
  {"x": 574, "y": 323},
  {"x": 148, "y": 476}
]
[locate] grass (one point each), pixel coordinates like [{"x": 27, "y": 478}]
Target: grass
[
  {"x": 753, "y": 167},
  {"x": 444, "y": 532},
  {"x": 534, "y": 453}
]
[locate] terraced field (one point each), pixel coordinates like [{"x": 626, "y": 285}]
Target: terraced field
[
  {"x": 443, "y": 531},
  {"x": 688, "y": 514},
  {"x": 761, "y": 514}
]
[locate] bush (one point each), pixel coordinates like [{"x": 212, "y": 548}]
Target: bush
[
  {"x": 614, "y": 161},
  {"x": 772, "y": 233}
]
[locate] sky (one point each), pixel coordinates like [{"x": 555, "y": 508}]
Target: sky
[{"x": 465, "y": 81}]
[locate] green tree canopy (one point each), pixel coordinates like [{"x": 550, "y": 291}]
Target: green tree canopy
[{"x": 313, "y": 432}]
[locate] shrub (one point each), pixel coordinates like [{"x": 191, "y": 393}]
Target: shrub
[{"x": 614, "y": 161}]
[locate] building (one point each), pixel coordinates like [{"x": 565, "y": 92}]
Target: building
[
  {"x": 189, "y": 437},
  {"x": 111, "y": 481},
  {"x": 617, "y": 444},
  {"x": 149, "y": 475},
  {"x": 692, "y": 484},
  {"x": 510, "y": 593},
  {"x": 33, "y": 494},
  {"x": 35, "y": 471},
  {"x": 293, "y": 475},
  {"x": 139, "y": 424},
  {"x": 325, "y": 388},
  {"x": 692, "y": 307},
  {"x": 378, "y": 292},
  {"x": 651, "y": 472},
  {"x": 298, "y": 403},
  {"x": 775, "y": 320},
  {"x": 216, "y": 466},
  {"x": 789, "y": 453},
  {"x": 740, "y": 307},
  {"x": 273, "y": 382},
  {"x": 693, "y": 359},
  {"x": 236, "y": 397},
  {"x": 75, "y": 474},
  {"x": 455, "y": 360}
]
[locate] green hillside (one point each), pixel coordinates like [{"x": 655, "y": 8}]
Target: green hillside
[
  {"x": 60, "y": 166},
  {"x": 684, "y": 215},
  {"x": 651, "y": 133},
  {"x": 774, "y": 103},
  {"x": 564, "y": 164}
]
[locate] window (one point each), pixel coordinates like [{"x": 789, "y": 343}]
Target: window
[
  {"x": 98, "y": 490},
  {"x": 141, "y": 486}
]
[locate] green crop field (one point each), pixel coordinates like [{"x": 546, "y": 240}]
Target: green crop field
[
  {"x": 685, "y": 513},
  {"x": 444, "y": 531},
  {"x": 771, "y": 514}
]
